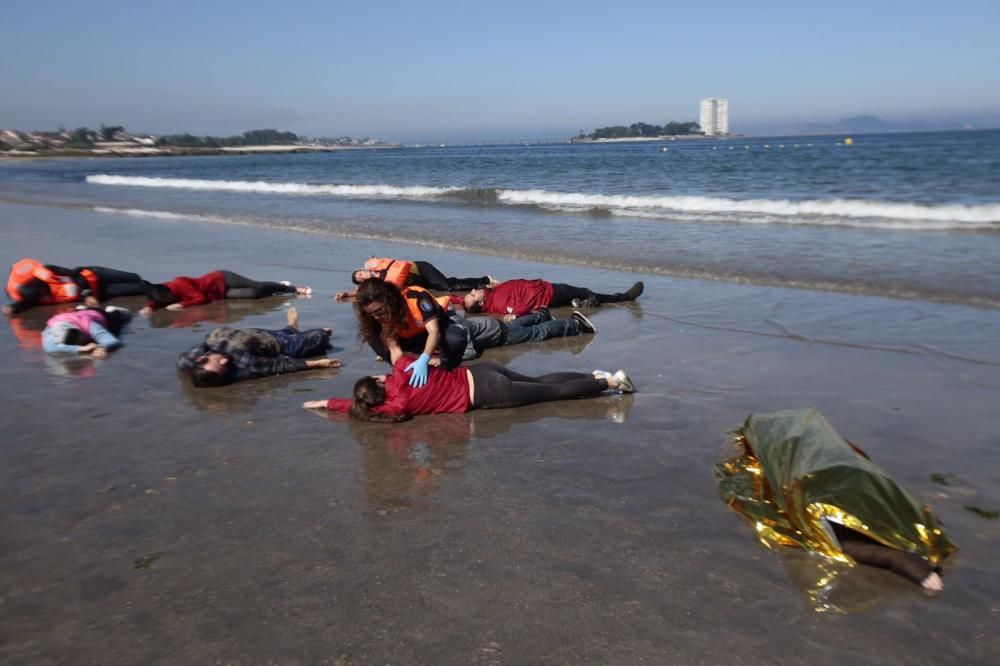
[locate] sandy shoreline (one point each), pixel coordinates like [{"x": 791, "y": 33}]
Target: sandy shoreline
[{"x": 587, "y": 531}]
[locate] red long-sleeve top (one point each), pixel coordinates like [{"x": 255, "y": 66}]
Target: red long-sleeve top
[
  {"x": 198, "y": 290},
  {"x": 446, "y": 392},
  {"x": 517, "y": 297}
]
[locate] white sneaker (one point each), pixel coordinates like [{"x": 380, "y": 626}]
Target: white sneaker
[{"x": 625, "y": 384}]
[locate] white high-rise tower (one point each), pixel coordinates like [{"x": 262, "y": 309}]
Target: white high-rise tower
[{"x": 714, "y": 116}]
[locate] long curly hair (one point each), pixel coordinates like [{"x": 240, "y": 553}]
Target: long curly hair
[
  {"x": 368, "y": 393},
  {"x": 374, "y": 290}
]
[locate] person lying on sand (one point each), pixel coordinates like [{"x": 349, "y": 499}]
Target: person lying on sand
[
  {"x": 85, "y": 331},
  {"x": 182, "y": 292},
  {"x": 514, "y": 298},
  {"x": 228, "y": 355},
  {"x": 390, "y": 398},
  {"x": 488, "y": 332},
  {"x": 800, "y": 484},
  {"x": 31, "y": 283},
  {"x": 403, "y": 273}
]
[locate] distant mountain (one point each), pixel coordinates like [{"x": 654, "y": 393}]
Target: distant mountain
[{"x": 871, "y": 124}]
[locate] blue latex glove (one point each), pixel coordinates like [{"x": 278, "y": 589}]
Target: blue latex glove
[{"x": 419, "y": 368}]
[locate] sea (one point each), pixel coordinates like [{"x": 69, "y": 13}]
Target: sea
[{"x": 911, "y": 216}]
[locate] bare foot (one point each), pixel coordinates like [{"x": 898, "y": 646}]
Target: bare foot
[
  {"x": 303, "y": 291},
  {"x": 932, "y": 583},
  {"x": 293, "y": 318}
]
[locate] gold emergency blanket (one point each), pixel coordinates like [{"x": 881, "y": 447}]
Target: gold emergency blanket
[{"x": 790, "y": 473}]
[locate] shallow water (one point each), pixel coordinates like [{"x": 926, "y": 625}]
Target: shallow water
[{"x": 905, "y": 215}]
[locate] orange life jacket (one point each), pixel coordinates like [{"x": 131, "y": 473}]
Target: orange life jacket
[
  {"x": 62, "y": 289},
  {"x": 414, "y": 317},
  {"x": 393, "y": 271}
]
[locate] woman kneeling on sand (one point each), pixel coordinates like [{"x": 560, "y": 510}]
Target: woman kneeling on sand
[{"x": 390, "y": 398}]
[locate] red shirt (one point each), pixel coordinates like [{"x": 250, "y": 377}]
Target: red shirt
[
  {"x": 446, "y": 392},
  {"x": 517, "y": 297},
  {"x": 196, "y": 291}
]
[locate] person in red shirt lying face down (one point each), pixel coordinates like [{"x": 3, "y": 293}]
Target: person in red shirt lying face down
[
  {"x": 183, "y": 291},
  {"x": 514, "y": 298},
  {"x": 390, "y": 398}
]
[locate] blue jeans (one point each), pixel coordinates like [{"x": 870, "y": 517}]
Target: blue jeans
[
  {"x": 302, "y": 344},
  {"x": 539, "y": 326}
]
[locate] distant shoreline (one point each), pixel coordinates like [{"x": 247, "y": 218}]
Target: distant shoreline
[
  {"x": 668, "y": 137},
  {"x": 174, "y": 151}
]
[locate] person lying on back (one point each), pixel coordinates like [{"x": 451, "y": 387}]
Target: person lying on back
[{"x": 228, "y": 355}]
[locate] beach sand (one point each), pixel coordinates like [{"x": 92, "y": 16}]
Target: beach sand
[{"x": 144, "y": 521}]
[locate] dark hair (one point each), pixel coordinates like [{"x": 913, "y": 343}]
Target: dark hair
[
  {"x": 474, "y": 308},
  {"x": 369, "y": 393},
  {"x": 75, "y": 336},
  {"x": 374, "y": 290},
  {"x": 203, "y": 378},
  {"x": 115, "y": 320},
  {"x": 161, "y": 295},
  {"x": 354, "y": 277}
]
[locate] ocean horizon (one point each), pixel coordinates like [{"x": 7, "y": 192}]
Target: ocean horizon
[{"x": 902, "y": 215}]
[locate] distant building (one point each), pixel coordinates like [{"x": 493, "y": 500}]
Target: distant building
[{"x": 714, "y": 116}]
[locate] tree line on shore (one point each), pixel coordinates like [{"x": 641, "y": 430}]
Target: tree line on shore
[{"x": 636, "y": 130}]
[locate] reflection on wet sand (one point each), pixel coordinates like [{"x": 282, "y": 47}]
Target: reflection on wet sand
[
  {"x": 217, "y": 312},
  {"x": 404, "y": 462},
  {"x": 834, "y": 587},
  {"x": 242, "y": 396}
]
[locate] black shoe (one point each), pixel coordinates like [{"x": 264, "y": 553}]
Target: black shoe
[
  {"x": 586, "y": 326},
  {"x": 634, "y": 292},
  {"x": 589, "y": 302}
]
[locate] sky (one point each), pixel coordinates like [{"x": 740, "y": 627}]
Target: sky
[{"x": 443, "y": 70}]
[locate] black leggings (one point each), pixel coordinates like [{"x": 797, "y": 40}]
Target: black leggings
[
  {"x": 497, "y": 387},
  {"x": 563, "y": 295},
  {"x": 432, "y": 278},
  {"x": 239, "y": 286},
  {"x": 113, "y": 283}
]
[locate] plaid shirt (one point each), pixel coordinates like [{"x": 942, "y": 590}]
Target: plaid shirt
[{"x": 240, "y": 346}]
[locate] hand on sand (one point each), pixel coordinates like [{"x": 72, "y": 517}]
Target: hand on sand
[
  {"x": 324, "y": 363},
  {"x": 99, "y": 352},
  {"x": 175, "y": 306},
  {"x": 89, "y": 347},
  {"x": 343, "y": 296},
  {"x": 292, "y": 316},
  {"x": 932, "y": 583},
  {"x": 315, "y": 404},
  {"x": 146, "y": 311}
]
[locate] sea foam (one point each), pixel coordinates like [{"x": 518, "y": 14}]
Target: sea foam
[{"x": 824, "y": 212}]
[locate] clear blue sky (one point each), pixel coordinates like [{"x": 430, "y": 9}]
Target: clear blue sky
[{"x": 429, "y": 70}]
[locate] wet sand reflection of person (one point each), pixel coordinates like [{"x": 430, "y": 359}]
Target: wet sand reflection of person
[{"x": 402, "y": 462}]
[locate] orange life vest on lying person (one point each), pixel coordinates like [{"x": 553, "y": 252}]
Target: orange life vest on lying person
[
  {"x": 62, "y": 288},
  {"x": 421, "y": 307},
  {"x": 393, "y": 271}
]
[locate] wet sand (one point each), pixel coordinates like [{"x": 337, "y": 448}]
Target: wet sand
[{"x": 144, "y": 521}]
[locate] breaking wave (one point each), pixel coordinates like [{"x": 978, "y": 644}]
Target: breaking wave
[{"x": 825, "y": 212}]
